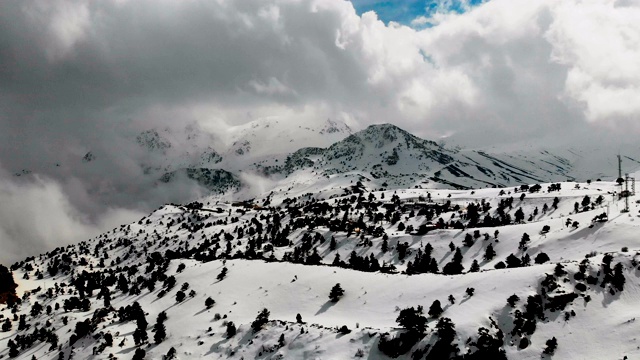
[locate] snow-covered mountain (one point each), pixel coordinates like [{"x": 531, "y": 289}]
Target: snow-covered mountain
[
  {"x": 386, "y": 154},
  {"x": 392, "y": 157},
  {"x": 344, "y": 270},
  {"x": 399, "y": 159},
  {"x": 273, "y": 137}
]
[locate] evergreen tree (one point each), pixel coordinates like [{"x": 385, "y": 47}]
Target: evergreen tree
[
  {"x": 524, "y": 241},
  {"x": 209, "y": 302},
  {"x": 455, "y": 265},
  {"x": 140, "y": 336},
  {"x": 139, "y": 354},
  {"x": 552, "y": 345},
  {"x": 541, "y": 258},
  {"x": 433, "y": 266},
  {"x": 470, "y": 291},
  {"x": 513, "y": 261},
  {"x": 412, "y": 320},
  {"x": 435, "y": 310},
  {"x": 468, "y": 240},
  {"x": 336, "y": 293},
  {"x": 231, "y": 330},
  {"x": 475, "y": 267},
  {"x": 261, "y": 320},
  {"x": 222, "y": 274},
  {"x": 618, "y": 277},
  {"x": 159, "y": 328},
  {"x": 6, "y": 325},
  {"x": 13, "y": 349},
  {"x": 489, "y": 253}
]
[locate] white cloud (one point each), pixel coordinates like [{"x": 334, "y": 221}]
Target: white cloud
[
  {"x": 503, "y": 71},
  {"x": 600, "y": 43},
  {"x": 36, "y": 216},
  {"x": 63, "y": 23}
]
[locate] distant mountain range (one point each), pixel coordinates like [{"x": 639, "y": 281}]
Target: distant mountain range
[{"x": 386, "y": 154}]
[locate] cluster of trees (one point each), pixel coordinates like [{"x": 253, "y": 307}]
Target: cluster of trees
[
  {"x": 135, "y": 313},
  {"x": 23, "y": 342}
]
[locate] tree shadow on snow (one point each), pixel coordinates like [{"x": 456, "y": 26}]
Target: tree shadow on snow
[
  {"x": 127, "y": 350},
  {"x": 325, "y": 307},
  {"x": 576, "y": 234},
  {"x": 215, "y": 347},
  {"x": 201, "y": 311}
]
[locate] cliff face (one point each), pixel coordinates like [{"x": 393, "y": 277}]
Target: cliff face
[{"x": 7, "y": 285}]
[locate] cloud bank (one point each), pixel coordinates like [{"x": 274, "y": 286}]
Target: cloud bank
[{"x": 81, "y": 76}]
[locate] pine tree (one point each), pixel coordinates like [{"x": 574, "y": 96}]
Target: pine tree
[
  {"x": 475, "y": 267},
  {"x": 6, "y": 326},
  {"x": 412, "y": 320},
  {"x": 209, "y": 302},
  {"x": 552, "y": 345},
  {"x": 433, "y": 266},
  {"x": 140, "y": 336},
  {"x": 13, "y": 349},
  {"x": 261, "y": 320},
  {"x": 336, "y": 293},
  {"x": 470, "y": 291},
  {"x": 222, "y": 274},
  {"x": 139, "y": 354},
  {"x": 231, "y": 330},
  {"x": 524, "y": 241},
  {"x": 160, "y": 334},
  {"x": 159, "y": 328},
  {"x": 435, "y": 310},
  {"x": 618, "y": 277},
  {"x": 468, "y": 240},
  {"x": 489, "y": 253},
  {"x": 455, "y": 265}
]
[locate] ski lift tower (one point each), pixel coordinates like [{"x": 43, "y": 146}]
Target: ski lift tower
[{"x": 626, "y": 193}]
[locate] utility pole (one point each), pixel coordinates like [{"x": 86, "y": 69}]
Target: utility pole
[{"x": 619, "y": 167}]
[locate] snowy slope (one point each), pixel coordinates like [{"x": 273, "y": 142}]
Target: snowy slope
[{"x": 278, "y": 252}]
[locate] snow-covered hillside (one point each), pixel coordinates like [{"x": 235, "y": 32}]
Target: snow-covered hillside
[{"x": 426, "y": 273}]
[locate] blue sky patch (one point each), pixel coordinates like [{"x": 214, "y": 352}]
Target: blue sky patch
[{"x": 405, "y": 11}]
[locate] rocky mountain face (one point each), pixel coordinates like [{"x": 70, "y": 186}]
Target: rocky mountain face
[
  {"x": 214, "y": 180},
  {"x": 398, "y": 158}
]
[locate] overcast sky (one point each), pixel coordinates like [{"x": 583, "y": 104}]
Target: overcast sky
[{"x": 86, "y": 75}]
